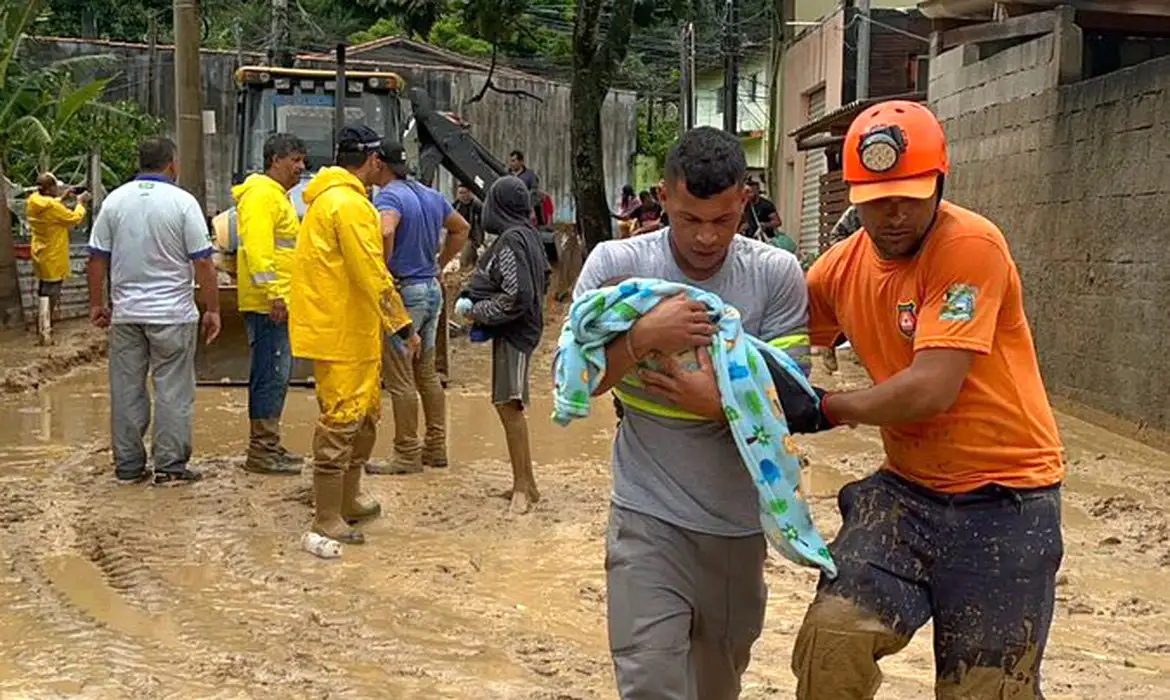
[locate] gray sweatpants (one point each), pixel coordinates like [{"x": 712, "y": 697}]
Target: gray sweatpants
[
  {"x": 167, "y": 354},
  {"x": 684, "y": 608}
]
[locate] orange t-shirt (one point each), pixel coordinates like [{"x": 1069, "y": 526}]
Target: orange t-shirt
[{"x": 962, "y": 291}]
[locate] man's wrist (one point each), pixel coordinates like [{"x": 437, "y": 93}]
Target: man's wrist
[{"x": 827, "y": 409}]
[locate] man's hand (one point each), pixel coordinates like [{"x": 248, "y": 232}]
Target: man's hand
[
  {"x": 693, "y": 390},
  {"x": 211, "y": 326},
  {"x": 675, "y": 324},
  {"x": 84, "y": 198},
  {"x": 99, "y": 316},
  {"x": 277, "y": 311},
  {"x": 413, "y": 346}
]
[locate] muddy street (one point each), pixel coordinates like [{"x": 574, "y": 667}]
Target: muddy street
[{"x": 129, "y": 591}]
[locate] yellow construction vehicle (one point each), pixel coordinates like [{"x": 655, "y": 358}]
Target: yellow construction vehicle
[{"x": 302, "y": 102}]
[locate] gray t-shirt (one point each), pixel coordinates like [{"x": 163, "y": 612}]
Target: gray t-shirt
[
  {"x": 687, "y": 472},
  {"x": 151, "y": 230}
]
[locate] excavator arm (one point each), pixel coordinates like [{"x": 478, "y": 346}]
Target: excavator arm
[{"x": 444, "y": 142}]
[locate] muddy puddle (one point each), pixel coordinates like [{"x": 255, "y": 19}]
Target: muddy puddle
[{"x": 119, "y": 592}]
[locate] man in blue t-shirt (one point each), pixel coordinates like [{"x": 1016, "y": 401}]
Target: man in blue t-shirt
[{"x": 413, "y": 219}]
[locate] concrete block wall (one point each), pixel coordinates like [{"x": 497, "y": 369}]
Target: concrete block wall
[{"x": 1078, "y": 178}]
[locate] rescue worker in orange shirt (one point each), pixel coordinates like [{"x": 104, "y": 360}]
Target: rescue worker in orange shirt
[{"x": 962, "y": 523}]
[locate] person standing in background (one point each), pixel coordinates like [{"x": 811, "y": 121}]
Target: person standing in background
[
  {"x": 268, "y": 226},
  {"x": 628, "y": 205},
  {"x": 505, "y": 298},
  {"x": 517, "y": 167},
  {"x": 762, "y": 221},
  {"x": 472, "y": 212},
  {"x": 151, "y": 240},
  {"x": 413, "y": 217},
  {"x": 341, "y": 302},
  {"x": 50, "y": 221}
]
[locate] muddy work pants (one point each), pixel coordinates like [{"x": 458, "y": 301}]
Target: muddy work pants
[
  {"x": 349, "y": 396},
  {"x": 407, "y": 379},
  {"x": 165, "y": 353},
  {"x": 684, "y": 608},
  {"x": 982, "y": 565}
]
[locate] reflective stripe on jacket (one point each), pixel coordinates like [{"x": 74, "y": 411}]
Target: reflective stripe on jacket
[{"x": 267, "y": 228}]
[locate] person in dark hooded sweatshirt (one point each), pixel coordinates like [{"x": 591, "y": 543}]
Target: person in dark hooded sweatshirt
[{"x": 504, "y": 301}]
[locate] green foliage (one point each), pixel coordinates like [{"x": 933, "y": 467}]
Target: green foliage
[
  {"x": 116, "y": 127},
  {"x": 385, "y": 27},
  {"x": 656, "y": 138}
]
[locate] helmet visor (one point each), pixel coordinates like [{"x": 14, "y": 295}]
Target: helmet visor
[{"x": 920, "y": 187}]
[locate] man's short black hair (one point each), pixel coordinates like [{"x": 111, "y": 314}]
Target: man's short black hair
[
  {"x": 518, "y": 155},
  {"x": 282, "y": 146},
  {"x": 708, "y": 161},
  {"x": 155, "y": 154},
  {"x": 352, "y": 160}
]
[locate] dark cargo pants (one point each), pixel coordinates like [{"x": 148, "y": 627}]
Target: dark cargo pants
[
  {"x": 982, "y": 565},
  {"x": 684, "y": 608}
]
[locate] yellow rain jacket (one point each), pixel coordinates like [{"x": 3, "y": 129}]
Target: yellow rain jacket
[
  {"x": 342, "y": 298},
  {"x": 267, "y": 229},
  {"x": 50, "y": 221}
]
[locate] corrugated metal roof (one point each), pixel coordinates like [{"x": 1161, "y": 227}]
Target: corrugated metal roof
[{"x": 841, "y": 117}]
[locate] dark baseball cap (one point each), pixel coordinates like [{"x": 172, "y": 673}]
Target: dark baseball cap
[
  {"x": 394, "y": 155},
  {"x": 358, "y": 139}
]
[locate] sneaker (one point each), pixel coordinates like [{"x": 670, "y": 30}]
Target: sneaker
[
  {"x": 131, "y": 479},
  {"x": 179, "y": 478}
]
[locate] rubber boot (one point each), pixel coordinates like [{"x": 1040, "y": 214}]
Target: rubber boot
[
  {"x": 434, "y": 405},
  {"x": 332, "y": 451},
  {"x": 265, "y": 452},
  {"x": 356, "y": 506},
  {"x": 398, "y": 376}
]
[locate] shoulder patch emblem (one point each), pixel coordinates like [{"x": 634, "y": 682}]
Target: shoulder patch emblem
[
  {"x": 959, "y": 303},
  {"x": 908, "y": 318}
]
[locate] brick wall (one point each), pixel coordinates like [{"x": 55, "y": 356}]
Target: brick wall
[{"x": 1078, "y": 177}]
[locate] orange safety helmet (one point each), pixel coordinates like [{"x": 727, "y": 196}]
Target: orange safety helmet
[{"x": 894, "y": 149}]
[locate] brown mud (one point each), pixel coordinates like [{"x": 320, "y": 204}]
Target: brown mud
[
  {"x": 24, "y": 364},
  {"x": 203, "y": 592}
]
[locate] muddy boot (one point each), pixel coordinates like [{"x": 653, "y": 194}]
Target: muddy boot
[
  {"x": 398, "y": 376},
  {"x": 381, "y": 467},
  {"x": 264, "y": 450},
  {"x": 434, "y": 404},
  {"x": 356, "y": 506},
  {"x": 291, "y": 458},
  {"x": 332, "y": 450}
]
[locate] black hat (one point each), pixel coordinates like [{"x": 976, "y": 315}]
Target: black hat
[
  {"x": 358, "y": 139},
  {"x": 394, "y": 155}
]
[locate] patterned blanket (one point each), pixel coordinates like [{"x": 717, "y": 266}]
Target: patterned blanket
[{"x": 750, "y": 401}]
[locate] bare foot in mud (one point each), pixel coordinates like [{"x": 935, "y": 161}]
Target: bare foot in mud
[{"x": 522, "y": 499}]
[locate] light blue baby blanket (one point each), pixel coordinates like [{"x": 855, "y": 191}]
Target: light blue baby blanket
[{"x": 749, "y": 397}]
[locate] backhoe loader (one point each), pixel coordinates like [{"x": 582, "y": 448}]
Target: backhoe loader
[{"x": 301, "y": 101}]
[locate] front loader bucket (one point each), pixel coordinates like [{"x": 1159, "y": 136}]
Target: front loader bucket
[{"x": 227, "y": 361}]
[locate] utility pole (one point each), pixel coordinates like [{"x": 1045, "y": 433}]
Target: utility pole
[
  {"x": 863, "y": 49},
  {"x": 151, "y": 63},
  {"x": 189, "y": 98},
  {"x": 339, "y": 96},
  {"x": 278, "y": 51},
  {"x": 686, "y": 105},
  {"x": 238, "y": 38},
  {"x": 731, "y": 68}
]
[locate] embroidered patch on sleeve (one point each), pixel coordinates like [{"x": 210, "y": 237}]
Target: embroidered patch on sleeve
[{"x": 959, "y": 303}]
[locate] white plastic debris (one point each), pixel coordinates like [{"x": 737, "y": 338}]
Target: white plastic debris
[{"x": 321, "y": 546}]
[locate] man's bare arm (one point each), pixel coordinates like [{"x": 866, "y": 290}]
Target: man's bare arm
[
  {"x": 928, "y": 387},
  {"x": 390, "y": 220},
  {"x": 208, "y": 279},
  {"x": 97, "y": 270},
  {"x": 458, "y": 231}
]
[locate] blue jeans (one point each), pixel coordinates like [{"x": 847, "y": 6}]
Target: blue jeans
[
  {"x": 424, "y": 302},
  {"x": 271, "y": 366}
]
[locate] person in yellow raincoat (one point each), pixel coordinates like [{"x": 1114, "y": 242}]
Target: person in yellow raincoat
[
  {"x": 50, "y": 221},
  {"x": 341, "y": 301},
  {"x": 267, "y": 223}
]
